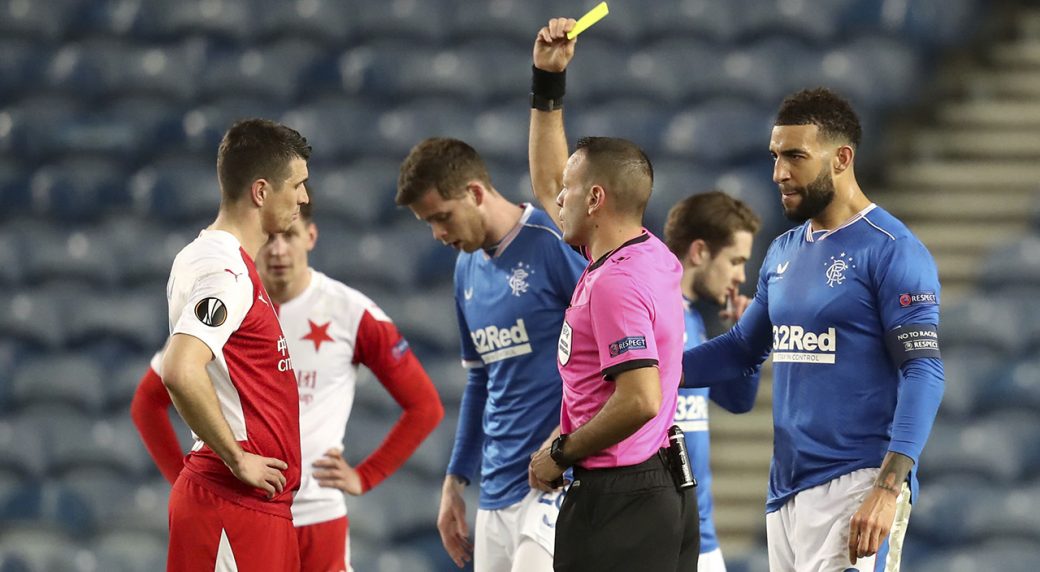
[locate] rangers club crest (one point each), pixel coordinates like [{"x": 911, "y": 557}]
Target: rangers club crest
[
  {"x": 836, "y": 269},
  {"x": 518, "y": 279}
]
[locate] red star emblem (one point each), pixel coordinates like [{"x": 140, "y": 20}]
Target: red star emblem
[{"x": 318, "y": 334}]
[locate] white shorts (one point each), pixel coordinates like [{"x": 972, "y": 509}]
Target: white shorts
[
  {"x": 810, "y": 533},
  {"x": 499, "y": 532},
  {"x": 711, "y": 561}
]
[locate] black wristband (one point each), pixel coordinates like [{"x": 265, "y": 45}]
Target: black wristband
[{"x": 547, "y": 89}]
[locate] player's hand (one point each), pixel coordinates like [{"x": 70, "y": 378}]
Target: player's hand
[
  {"x": 261, "y": 472},
  {"x": 451, "y": 522},
  {"x": 736, "y": 304},
  {"x": 552, "y": 50},
  {"x": 871, "y": 524},
  {"x": 334, "y": 473},
  {"x": 543, "y": 473}
]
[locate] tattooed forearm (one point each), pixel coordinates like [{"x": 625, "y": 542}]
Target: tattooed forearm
[{"x": 893, "y": 474}]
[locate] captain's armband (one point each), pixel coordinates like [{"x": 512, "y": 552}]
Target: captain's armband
[{"x": 912, "y": 341}]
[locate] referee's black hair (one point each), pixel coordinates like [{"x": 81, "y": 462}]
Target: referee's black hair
[{"x": 825, "y": 109}]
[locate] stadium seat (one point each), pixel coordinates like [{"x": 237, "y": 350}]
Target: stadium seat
[
  {"x": 34, "y": 318},
  {"x": 130, "y": 551},
  {"x": 1018, "y": 387},
  {"x": 639, "y": 121},
  {"x": 137, "y": 319},
  {"x": 22, "y": 64},
  {"x": 144, "y": 250},
  {"x": 123, "y": 382},
  {"x": 1015, "y": 264},
  {"x": 593, "y": 77},
  {"x": 625, "y": 26},
  {"x": 81, "y": 189},
  {"x": 177, "y": 188},
  {"x": 22, "y": 447},
  {"x": 970, "y": 374},
  {"x": 367, "y": 253},
  {"x": 400, "y": 128},
  {"x": 814, "y": 22},
  {"x": 270, "y": 71},
  {"x": 118, "y": 503},
  {"x": 1006, "y": 556},
  {"x": 893, "y": 76},
  {"x": 10, "y": 259},
  {"x": 513, "y": 21},
  {"x": 107, "y": 443},
  {"x": 226, "y": 19},
  {"x": 47, "y": 504},
  {"x": 404, "y": 20},
  {"x": 1000, "y": 447},
  {"x": 204, "y": 126},
  {"x": 984, "y": 322},
  {"x": 768, "y": 69},
  {"x": 73, "y": 380},
  {"x": 29, "y": 123},
  {"x": 715, "y": 20},
  {"x": 950, "y": 510},
  {"x": 336, "y": 130},
  {"x": 430, "y": 460},
  {"x": 429, "y": 317},
  {"x": 39, "y": 547},
  {"x": 361, "y": 192},
  {"x": 329, "y": 21},
  {"x": 501, "y": 132},
  {"x": 695, "y": 134},
  {"x": 36, "y": 21},
  {"x": 61, "y": 256},
  {"x": 402, "y": 505}
]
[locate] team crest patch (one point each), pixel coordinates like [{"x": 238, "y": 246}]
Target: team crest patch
[
  {"x": 518, "y": 279},
  {"x": 624, "y": 344},
  {"x": 211, "y": 311},
  {"x": 837, "y": 268},
  {"x": 918, "y": 299}
]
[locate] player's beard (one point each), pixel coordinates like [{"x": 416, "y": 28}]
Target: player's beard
[{"x": 816, "y": 196}]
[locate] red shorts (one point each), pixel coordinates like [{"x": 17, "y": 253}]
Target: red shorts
[
  {"x": 325, "y": 546},
  {"x": 210, "y": 533}
]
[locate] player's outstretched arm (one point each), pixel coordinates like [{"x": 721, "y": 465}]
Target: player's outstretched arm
[
  {"x": 547, "y": 143},
  {"x": 185, "y": 377},
  {"x": 149, "y": 411}
]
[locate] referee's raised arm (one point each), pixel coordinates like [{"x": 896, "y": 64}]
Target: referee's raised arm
[{"x": 547, "y": 144}]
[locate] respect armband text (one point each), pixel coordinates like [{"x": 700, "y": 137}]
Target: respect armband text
[{"x": 912, "y": 341}]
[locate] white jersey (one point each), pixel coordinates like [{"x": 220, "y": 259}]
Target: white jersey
[{"x": 321, "y": 325}]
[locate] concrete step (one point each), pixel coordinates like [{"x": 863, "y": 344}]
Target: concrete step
[
  {"x": 741, "y": 454},
  {"x": 1004, "y": 83},
  {"x": 939, "y": 173},
  {"x": 740, "y": 519},
  {"x": 982, "y": 143},
  {"x": 1022, "y": 53},
  {"x": 991, "y": 113},
  {"x": 960, "y": 204},
  {"x": 755, "y": 424},
  {"x": 740, "y": 486},
  {"x": 963, "y": 236}
]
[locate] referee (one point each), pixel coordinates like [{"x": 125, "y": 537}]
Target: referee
[{"x": 620, "y": 348}]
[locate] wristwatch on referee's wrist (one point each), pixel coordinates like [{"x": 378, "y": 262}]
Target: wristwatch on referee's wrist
[{"x": 557, "y": 454}]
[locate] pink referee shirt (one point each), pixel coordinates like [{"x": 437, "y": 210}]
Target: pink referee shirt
[{"x": 626, "y": 313}]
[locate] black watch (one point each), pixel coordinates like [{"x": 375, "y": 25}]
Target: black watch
[{"x": 557, "y": 454}]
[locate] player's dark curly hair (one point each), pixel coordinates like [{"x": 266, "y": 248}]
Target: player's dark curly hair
[
  {"x": 828, "y": 111},
  {"x": 255, "y": 149}
]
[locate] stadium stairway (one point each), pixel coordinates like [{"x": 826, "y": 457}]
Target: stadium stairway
[{"x": 964, "y": 173}]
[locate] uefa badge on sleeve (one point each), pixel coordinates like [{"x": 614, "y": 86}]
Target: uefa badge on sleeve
[{"x": 211, "y": 311}]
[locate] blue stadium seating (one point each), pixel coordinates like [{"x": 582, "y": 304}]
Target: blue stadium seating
[
  {"x": 1009, "y": 556},
  {"x": 400, "y": 128},
  {"x": 72, "y": 380},
  {"x": 695, "y": 134},
  {"x": 37, "y": 20},
  {"x": 129, "y": 551},
  {"x": 335, "y": 129},
  {"x": 123, "y": 380},
  {"x": 23, "y": 449},
  {"x": 226, "y": 20},
  {"x": 816, "y": 22},
  {"x": 34, "y": 318},
  {"x": 136, "y": 318},
  {"x": 515, "y": 21},
  {"x": 178, "y": 188},
  {"x": 498, "y": 132},
  {"x": 107, "y": 443},
  {"x": 330, "y": 21},
  {"x": 404, "y": 20},
  {"x": 270, "y": 71},
  {"x": 969, "y": 387},
  {"x": 78, "y": 188},
  {"x": 1000, "y": 447},
  {"x": 1019, "y": 387},
  {"x": 361, "y": 192}
]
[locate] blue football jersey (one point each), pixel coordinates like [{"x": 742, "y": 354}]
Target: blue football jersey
[
  {"x": 842, "y": 311},
  {"x": 691, "y": 415},
  {"x": 511, "y": 305}
]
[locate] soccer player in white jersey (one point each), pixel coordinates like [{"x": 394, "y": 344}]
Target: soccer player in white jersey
[
  {"x": 513, "y": 279},
  {"x": 848, "y": 304},
  {"x": 228, "y": 370},
  {"x": 711, "y": 234},
  {"x": 331, "y": 329}
]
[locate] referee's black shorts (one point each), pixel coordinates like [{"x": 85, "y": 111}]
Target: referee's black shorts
[{"x": 627, "y": 519}]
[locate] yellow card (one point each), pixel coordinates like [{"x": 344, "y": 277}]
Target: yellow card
[{"x": 586, "y": 21}]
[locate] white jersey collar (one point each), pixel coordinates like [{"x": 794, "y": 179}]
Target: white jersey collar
[
  {"x": 512, "y": 234},
  {"x": 809, "y": 233}
]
